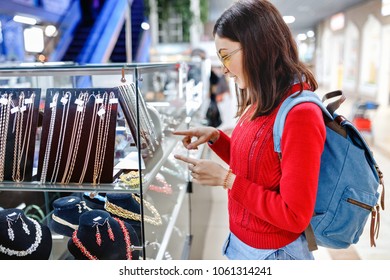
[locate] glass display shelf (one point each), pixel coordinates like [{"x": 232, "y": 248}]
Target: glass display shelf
[{"x": 164, "y": 101}]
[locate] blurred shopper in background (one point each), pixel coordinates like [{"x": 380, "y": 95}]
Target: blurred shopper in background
[
  {"x": 270, "y": 200},
  {"x": 213, "y": 116}
]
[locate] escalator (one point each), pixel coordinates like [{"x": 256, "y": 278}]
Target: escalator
[
  {"x": 79, "y": 39},
  {"x": 137, "y": 17},
  {"x": 104, "y": 39}
]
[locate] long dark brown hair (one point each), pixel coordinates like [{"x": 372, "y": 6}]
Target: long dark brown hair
[{"x": 270, "y": 55}]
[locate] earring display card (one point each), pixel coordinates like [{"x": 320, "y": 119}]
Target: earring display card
[
  {"x": 78, "y": 136},
  {"x": 19, "y": 110}
]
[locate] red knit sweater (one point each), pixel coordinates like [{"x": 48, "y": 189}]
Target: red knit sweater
[{"x": 272, "y": 201}]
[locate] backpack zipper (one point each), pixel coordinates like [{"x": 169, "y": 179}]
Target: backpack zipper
[{"x": 360, "y": 204}]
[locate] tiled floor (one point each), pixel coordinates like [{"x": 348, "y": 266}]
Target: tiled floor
[{"x": 218, "y": 227}]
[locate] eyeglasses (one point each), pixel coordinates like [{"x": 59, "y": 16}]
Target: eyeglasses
[{"x": 225, "y": 60}]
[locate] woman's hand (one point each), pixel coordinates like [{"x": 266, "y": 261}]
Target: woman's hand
[
  {"x": 205, "y": 172},
  {"x": 203, "y": 135}
]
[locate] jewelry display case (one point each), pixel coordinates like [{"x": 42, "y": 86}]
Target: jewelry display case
[{"x": 99, "y": 137}]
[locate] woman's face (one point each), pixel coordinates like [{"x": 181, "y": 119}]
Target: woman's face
[{"x": 230, "y": 54}]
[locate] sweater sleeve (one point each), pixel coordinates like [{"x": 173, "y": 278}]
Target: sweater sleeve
[
  {"x": 291, "y": 205},
  {"x": 222, "y": 147}
]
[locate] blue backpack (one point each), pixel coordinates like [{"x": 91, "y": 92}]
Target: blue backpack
[{"x": 348, "y": 188}]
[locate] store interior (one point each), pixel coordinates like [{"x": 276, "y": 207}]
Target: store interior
[{"x": 91, "y": 91}]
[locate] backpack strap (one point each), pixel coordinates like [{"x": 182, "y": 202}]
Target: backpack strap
[
  {"x": 310, "y": 238},
  {"x": 290, "y": 102},
  {"x": 333, "y": 106}
]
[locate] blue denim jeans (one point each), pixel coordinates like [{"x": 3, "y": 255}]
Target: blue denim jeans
[{"x": 235, "y": 249}]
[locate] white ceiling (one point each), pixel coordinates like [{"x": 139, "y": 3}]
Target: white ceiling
[{"x": 307, "y": 13}]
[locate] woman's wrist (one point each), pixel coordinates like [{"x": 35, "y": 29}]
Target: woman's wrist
[
  {"x": 214, "y": 138},
  {"x": 228, "y": 180}
]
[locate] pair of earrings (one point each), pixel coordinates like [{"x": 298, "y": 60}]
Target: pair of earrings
[
  {"x": 10, "y": 221},
  {"x": 98, "y": 235},
  {"x": 82, "y": 206}
]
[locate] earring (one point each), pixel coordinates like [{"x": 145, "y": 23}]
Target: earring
[
  {"x": 79, "y": 206},
  {"x": 98, "y": 236},
  {"x": 84, "y": 205},
  {"x": 11, "y": 234},
  {"x": 110, "y": 232},
  {"x": 25, "y": 227}
]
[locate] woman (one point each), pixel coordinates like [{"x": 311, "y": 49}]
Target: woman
[{"x": 270, "y": 201}]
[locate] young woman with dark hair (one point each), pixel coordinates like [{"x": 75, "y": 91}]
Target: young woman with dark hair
[{"x": 270, "y": 201}]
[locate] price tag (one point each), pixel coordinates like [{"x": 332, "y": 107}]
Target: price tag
[
  {"x": 79, "y": 102},
  {"x": 113, "y": 101},
  {"x": 15, "y": 110},
  {"x": 101, "y": 112},
  {"x": 3, "y": 101},
  {"x": 64, "y": 100}
]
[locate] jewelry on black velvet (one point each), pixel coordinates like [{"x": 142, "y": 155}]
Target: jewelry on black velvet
[
  {"x": 10, "y": 221},
  {"x": 18, "y": 119},
  {"x": 82, "y": 206},
  {"x": 31, "y": 249},
  {"x": 63, "y": 222},
  {"x": 111, "y": 101},
  {"x": 131, "y": 178},
  {"x": 86, "y": 253},
  {"x": 98, "y": 235},
  {"x": 10, "y": 231},
  {"x": 30, "y": 102},
  {"x": 124, "y": 213},
  {"x": 5, "y": 102},
  {"x": 102, "y": 135},
  {"x": 75, "y": 137},
  {"x": 65, "y": 100},
  {"x": 97, "y": 101},
  {"x": 53, "y": 107}
]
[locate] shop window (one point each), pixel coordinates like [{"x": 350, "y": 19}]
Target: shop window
[
  {"x": 370, "y": 53},
  {"x": 325, "y": 61},
  {"x": 351, "y": 55},
  {"x": 171, "y": 30}
]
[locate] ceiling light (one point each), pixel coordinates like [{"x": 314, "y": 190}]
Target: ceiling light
[
  {"x": 302, "y": 37},
  {"x": 289, "y": 19},
  {"x": 310, "y": 33},
  {"x": 337, "y": 21},
  {"x": 50, "y": 31},
  {"x": 25, "y": 20},
  {"x": 145, "y": 26},
  {"x": 33, "y": 39}
]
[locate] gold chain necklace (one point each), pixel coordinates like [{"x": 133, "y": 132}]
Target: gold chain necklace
[
  {"x": 123, "y": 213},
  {"x": 18, "y": 138},
  {"x": 91, "y": 137},
  {"x": 6, "y": 108},
  {"x": 30, "y": 102}
]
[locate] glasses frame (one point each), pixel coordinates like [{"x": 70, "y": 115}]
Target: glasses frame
[{"x": 225, "y": 57}]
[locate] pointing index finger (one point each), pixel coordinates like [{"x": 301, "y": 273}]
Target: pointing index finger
[
  {"x": 181, "y": 132},
  {"x": 186, "y": 159}
]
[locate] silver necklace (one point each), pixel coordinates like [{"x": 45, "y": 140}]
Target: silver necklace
[{"x": 31, "y": 249}]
